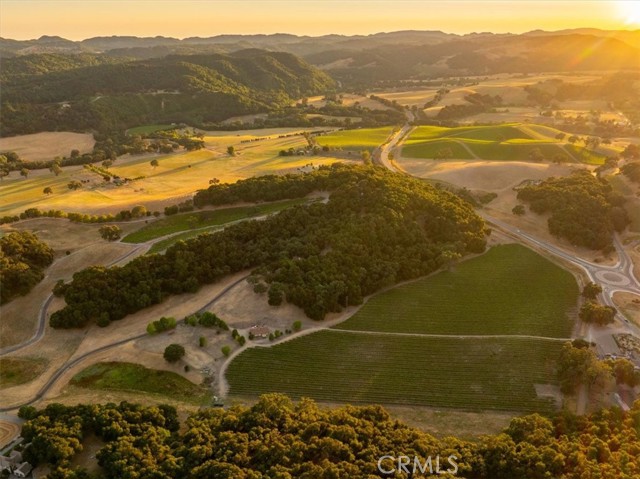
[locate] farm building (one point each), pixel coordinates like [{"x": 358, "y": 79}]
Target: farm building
[{"x": 259, "y": 332}]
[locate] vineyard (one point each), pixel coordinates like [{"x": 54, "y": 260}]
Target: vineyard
[
  {"x": 508, "y": 290},
  {"x": 471, "y": 374}
]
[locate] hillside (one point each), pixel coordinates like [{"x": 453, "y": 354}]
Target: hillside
[
  {"x": 377, "y": 229},
  {"x": 58, "y": 92},
  {"x": 388, "y": 56}
]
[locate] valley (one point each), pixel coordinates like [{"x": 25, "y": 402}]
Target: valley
[{"x": 443, "y": 225}]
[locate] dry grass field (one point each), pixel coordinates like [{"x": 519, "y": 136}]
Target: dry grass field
[
  {"x": 178, "y": 175},
  {"x": 47, "y": 145}
]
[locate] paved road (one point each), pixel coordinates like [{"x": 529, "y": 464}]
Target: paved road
[
  {"x": 42, "y": 315},
  {"x": 71, "y": 363},
  {"x": 612, "y": 279}
]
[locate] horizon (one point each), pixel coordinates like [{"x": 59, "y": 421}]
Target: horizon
[
  {"x": 77, "y": 21},
  {"x": 479, "y": 32}
]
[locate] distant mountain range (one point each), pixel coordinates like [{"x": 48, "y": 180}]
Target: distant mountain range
[
  {"x": 384, "y": 56},
  {"x": 111, "y": 83}
]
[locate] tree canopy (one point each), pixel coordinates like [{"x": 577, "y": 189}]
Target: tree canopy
[
  {"x": 277, "y": 438},
  {"x": 583, "y": 208},
  {"x": 23, "y": 258},
  {"x": 377, "y": 229}
]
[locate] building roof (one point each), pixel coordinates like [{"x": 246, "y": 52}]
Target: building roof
[{"x": 259, "y": 330}]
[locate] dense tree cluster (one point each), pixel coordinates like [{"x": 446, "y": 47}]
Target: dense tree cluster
[
  {"x": 192, "y": 89},
  {"x": 277, "y": 438},
  {"x": 476, "y": 103},
  {"x": 579, "y": 365},
  {"x": 378, "y": 228},
  {"x": 583, "y": 208},
  {"x": 632, "y": 171},
  {"x": 124, "y": 215},
  {"x": 23, "y": 258},
  {"x": 592, "y": 312}
]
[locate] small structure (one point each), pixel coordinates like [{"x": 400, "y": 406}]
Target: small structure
[
  {"x": 259, "y": 332},
  {"x": 11, "y": 461},
  {"x": 23, "y": 470}
]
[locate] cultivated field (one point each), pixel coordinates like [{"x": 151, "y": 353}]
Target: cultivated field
[
  {"x": 505, "y": 291},
  {"x": 485, "y": 335},
  {"x": 365, "y": 138},
  {"x": 472, "y": 374},
  {"x": 47, "y": 145},
  {"x": 177, "y": 176},
  {"x": 508, "y": 142}
]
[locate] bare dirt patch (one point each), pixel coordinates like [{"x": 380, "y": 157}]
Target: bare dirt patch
[
  {"x": 8, "y": 431},
  {"x": 20, "y": 316},
  {"x": 47, "y": 145},
  {"x": 481, "y": 175},
  {"x": 629, "y": 305}
]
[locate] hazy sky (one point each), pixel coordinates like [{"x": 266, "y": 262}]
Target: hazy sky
[{"x": 23, "y": 19}]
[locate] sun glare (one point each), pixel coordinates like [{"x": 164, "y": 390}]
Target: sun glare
[{"x": 629, "y": 10}]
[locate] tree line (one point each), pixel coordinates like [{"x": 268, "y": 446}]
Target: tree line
[
  {"x": 279, "y": 439},
  {"x": 378, "y": 228}
]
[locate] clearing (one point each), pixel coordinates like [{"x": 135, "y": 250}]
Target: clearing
[
  {"x": 15, "y": 371},
  {"x": 47, "y": 145},
  {"x": 134, "y": 377}
]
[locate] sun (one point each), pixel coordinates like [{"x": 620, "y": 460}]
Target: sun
[{"x": 629, "y": 10}]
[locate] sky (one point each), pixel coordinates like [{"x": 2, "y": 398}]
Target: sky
[{"x": 79, "y": 19}]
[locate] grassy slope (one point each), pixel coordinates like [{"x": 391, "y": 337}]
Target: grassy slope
[
  {"x": 15, "y": 371},
  {"x": 134, "y": 377},
  {"x": 366, "y": 138},
  {"x": 147, "y": 129},
  {"x": 505, "y": 291},
  {"x": 509, "y": 290},
  {"x": 177, "y": 175},
  {"x": 373, "y": 368},
  {"x": 184, "y": 222},
  {"x": 508, "y": 142},
  {"x": 431, "y": 149}
]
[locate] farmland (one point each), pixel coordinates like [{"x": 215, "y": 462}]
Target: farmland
[
  {"x": 47, "y": 145},
  {"x": 504, "y": 291},
  {"x": 508, "y": 142},
  {"x": 366, "y": 138},
  {"x": 454, "y": 339},
  {"x": 134, "y": 377},
  {"x": 472, "y": 374},
  {"x": 176, "y": 176}
]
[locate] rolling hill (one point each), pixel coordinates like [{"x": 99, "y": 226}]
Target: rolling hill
[{"x": 80, "y": 92}]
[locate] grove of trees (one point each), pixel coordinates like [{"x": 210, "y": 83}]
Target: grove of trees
[
  {"x": 277, "y": 438},
  {"x": 23, "y": 258},
  {"x": 378, "y": 228},
  {"x": 584, "y": 209}
]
